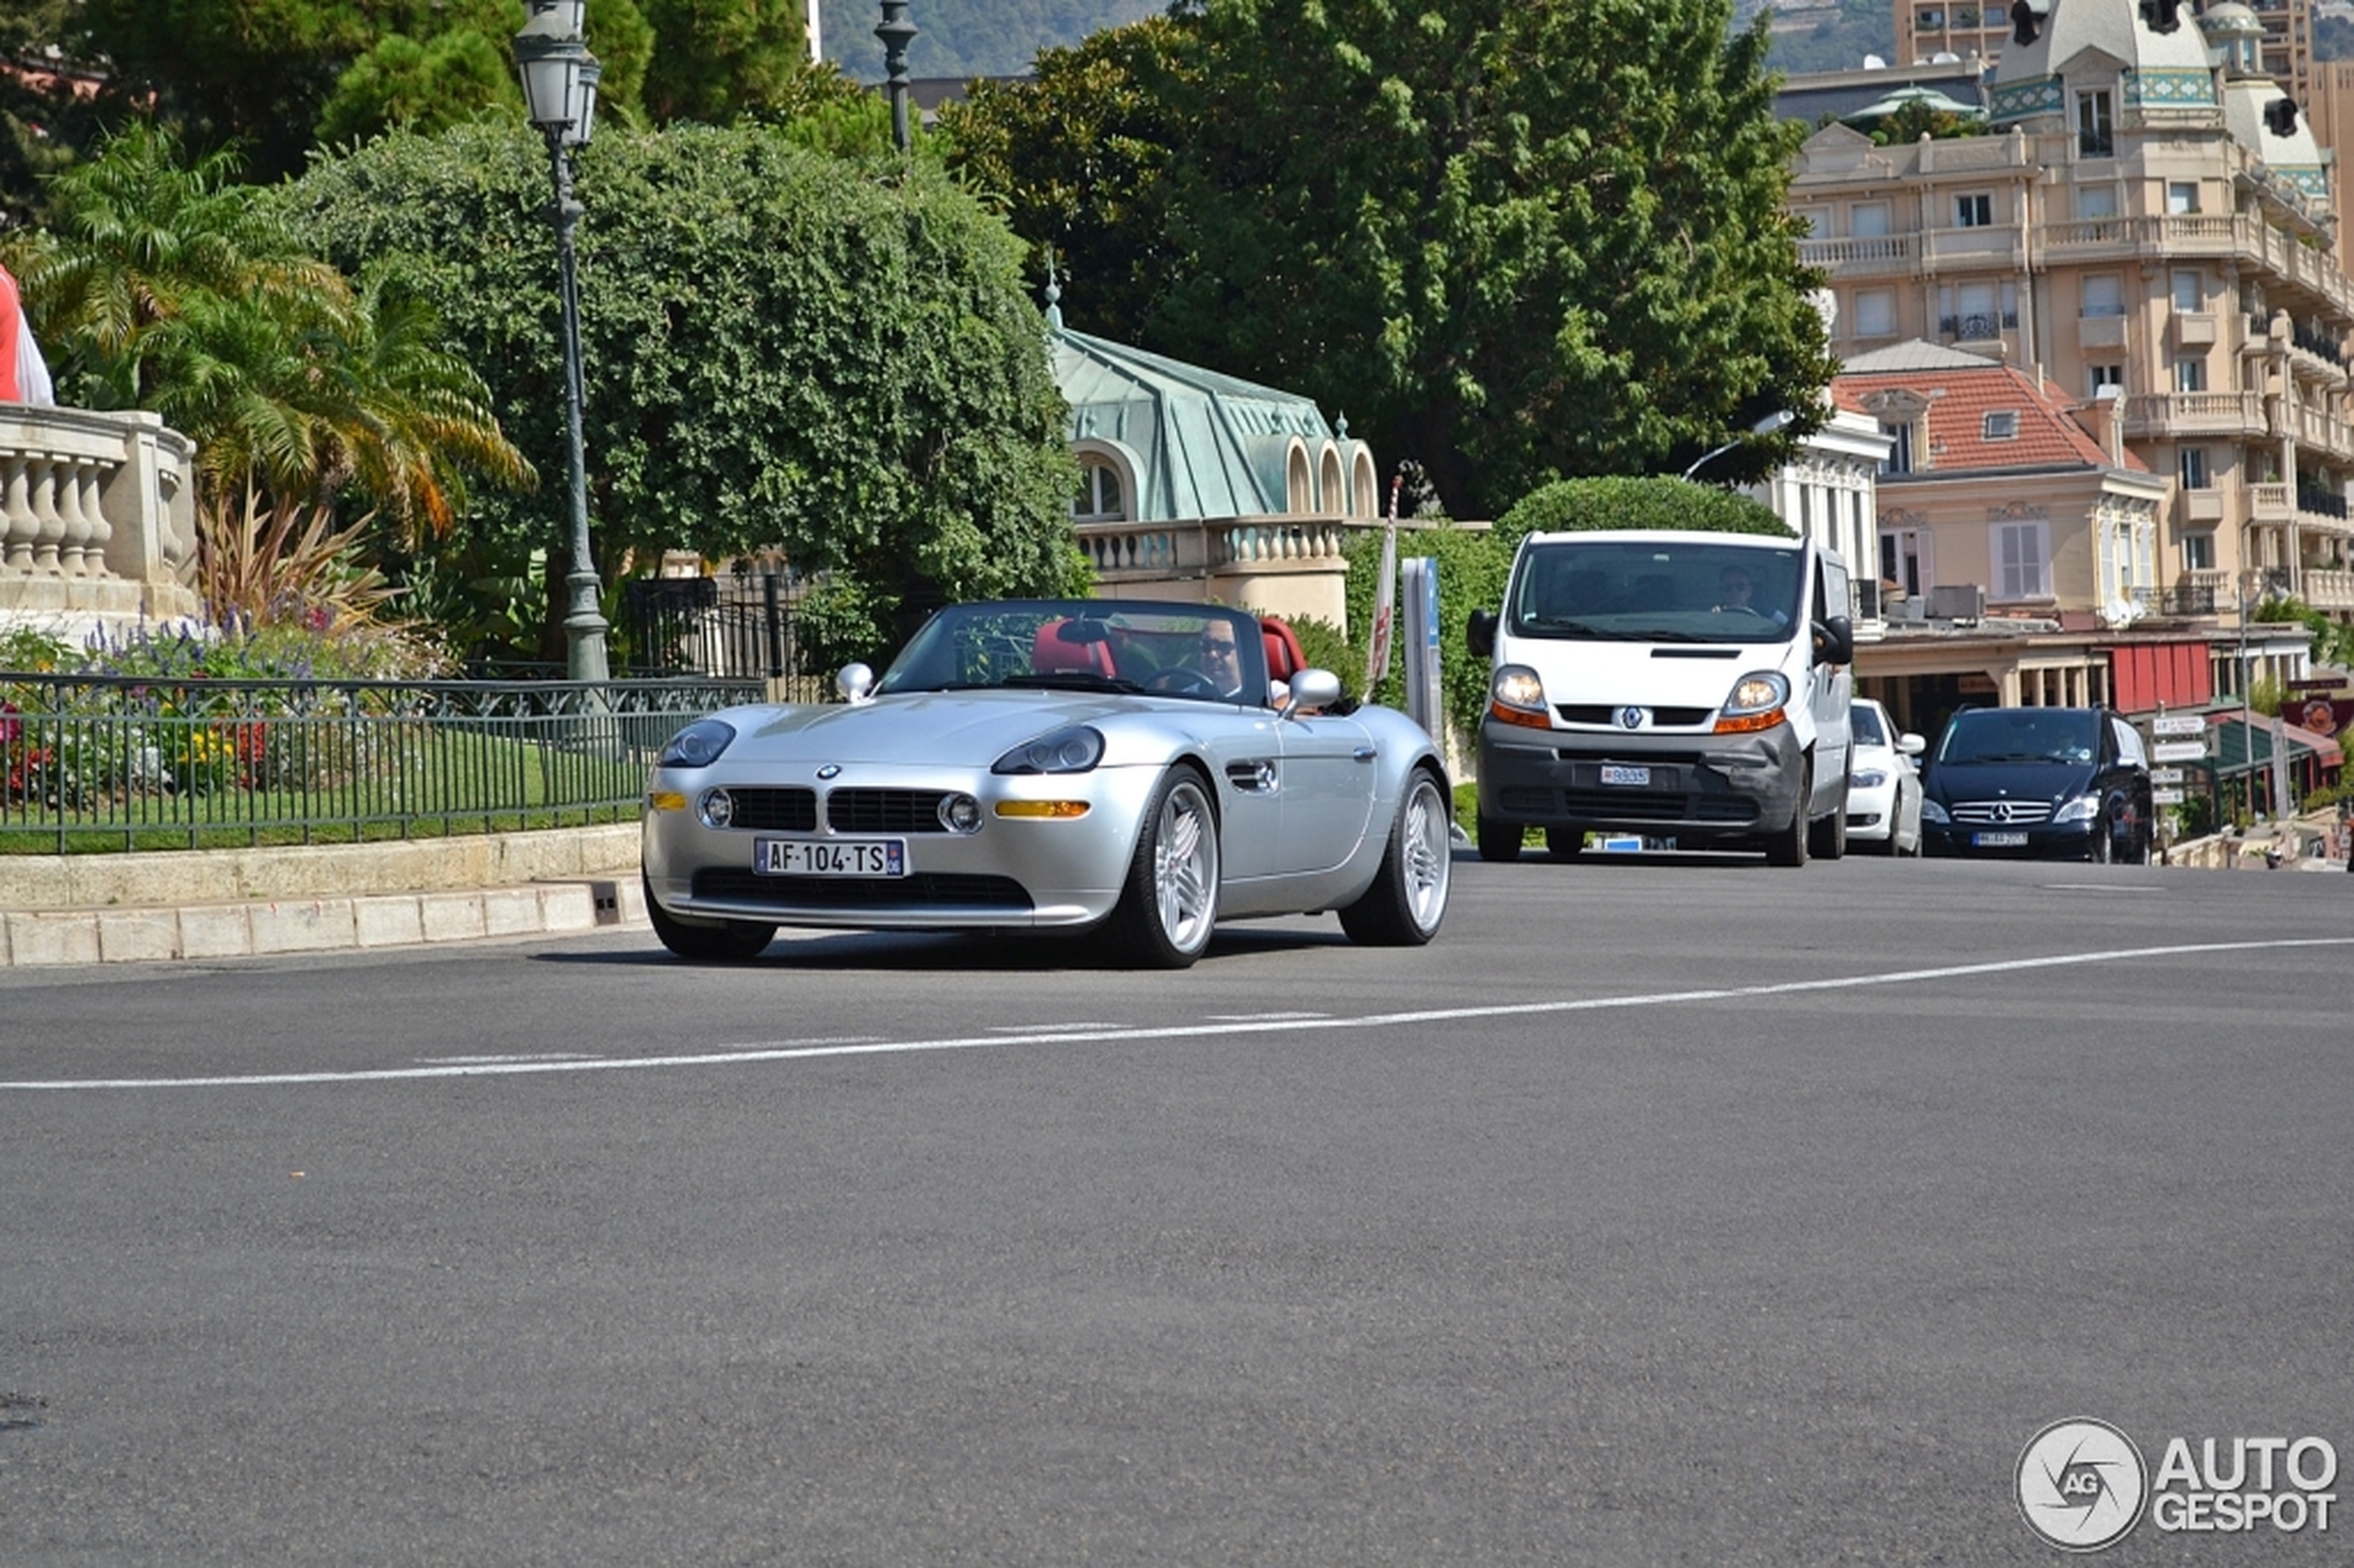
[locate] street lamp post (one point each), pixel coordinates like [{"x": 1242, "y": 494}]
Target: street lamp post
[
  {"x": 1766, "y": 427},
  {"x": 896, "y": 34},
  {"x": 560, "y": 98},
  {"x": 2251, "y": 583}
]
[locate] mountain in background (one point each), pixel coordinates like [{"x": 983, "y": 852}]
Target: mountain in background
[{"x": 965, "y": 38}]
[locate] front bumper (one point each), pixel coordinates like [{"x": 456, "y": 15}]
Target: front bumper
[
  {"x": 2037, "y": 840},
  {"x": 1700, "y": 787},
  {"x": 1014, "y": 873}
]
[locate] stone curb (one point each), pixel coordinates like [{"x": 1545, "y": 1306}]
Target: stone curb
[
  {"x": 237, "y": 903},
  {"x": 31, "y": 939}
]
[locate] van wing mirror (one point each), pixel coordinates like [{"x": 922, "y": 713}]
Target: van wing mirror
[
  {"x": 1834, "y": 641},
  {"x": 1479, "y": 633}
]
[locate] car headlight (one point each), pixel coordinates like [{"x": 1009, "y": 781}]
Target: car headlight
[
  {"x": 1756, "y": 702},
  {"x": 1074, "y": 748},
  {"x": 1516, "y": 696},
  {"x": 1932, "y": 812},
  {"x": 698, "y": 745},
  {"x": 1870, "y": 778},
  {"x": 2082, "y": 808}
]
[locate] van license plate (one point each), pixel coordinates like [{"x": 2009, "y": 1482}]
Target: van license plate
[
  {"x": 1614, "y": 774},
  {"x": 1998, "y": 841}
]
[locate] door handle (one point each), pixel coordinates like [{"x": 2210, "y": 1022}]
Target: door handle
[{"x": 1365, "y": 753}]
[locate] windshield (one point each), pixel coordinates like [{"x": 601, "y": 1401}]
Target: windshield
[
  {"x": 1706, "y": 590},
  {"x": 2021, "y": 735},
  {"x": 1197, "y": 650},
  {"x": 1864, "y": 722}
]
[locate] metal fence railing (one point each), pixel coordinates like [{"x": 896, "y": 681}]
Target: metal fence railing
[{"x": 109, "y": 762}]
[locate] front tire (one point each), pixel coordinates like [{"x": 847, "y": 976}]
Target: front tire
[
  {"x": 1498, "y": 840},
  {"x": 2103, "y": 846},
  {"x": 1828, "y": 834},
  {"x": 725, "y": 942},
  {"x": 1787, "y": 845},
  {"x": 1409, "y": 896},
  {"x": 1168, "y": 904}
]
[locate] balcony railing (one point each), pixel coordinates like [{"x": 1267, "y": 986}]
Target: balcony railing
[
  {"x": 2187, "y": 599},
  {"x": 1977, "y": 327}
]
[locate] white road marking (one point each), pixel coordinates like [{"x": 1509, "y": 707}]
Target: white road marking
[
  {"x": 1262, "y": 1018},
  {"x": 781, "y": 1051},
  {"x": 1053, "y": 1028}
]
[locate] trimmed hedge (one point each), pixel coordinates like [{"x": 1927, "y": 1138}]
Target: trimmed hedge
[{"x": 1579, "y": 505}]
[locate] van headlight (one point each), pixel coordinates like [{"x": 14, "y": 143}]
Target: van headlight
[
  {"x": 1516, "y": 696},
  {"x": 2081, "y": 808},
  {"x": 1757, "y": 703},
  {"x": 1932, "y": 812}
]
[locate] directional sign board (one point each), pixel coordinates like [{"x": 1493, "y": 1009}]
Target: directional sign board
[
  {"x": 2166, "y": 797},
  {"x": 2166, "y": 775},
  {"x": 2179, "y": 724},
  {"x": 2178, "y": 751}
]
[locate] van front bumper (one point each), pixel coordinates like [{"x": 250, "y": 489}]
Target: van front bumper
[{"x": 1697, "y": 788}]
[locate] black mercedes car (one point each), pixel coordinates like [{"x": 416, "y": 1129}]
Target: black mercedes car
[{"x": 2061, "y": 783}]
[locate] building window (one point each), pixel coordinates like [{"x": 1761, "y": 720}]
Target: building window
[
  {"x": 1974, "y": 211},
  {"x": 2182, "y": 198},
  {"x": 1977, "y": 310},
  {"x": 2097, "y": 201},
  {"x": 1930, "y": 18},
  {"x": 1867, "y": 219},
  {"x": 1876, "y": 313},
  {"x": 1099, "y": 495},
  {"x": 2190, "y": 292},
  {"x": 2098, "y": 377},
  {"x": 1904, "y": 560},
  {"x": 2021, "y": 559},
  {"x": 2192, "y": 462},
  {"x": 2190, "y": 375},
  {"x": 2000, "y": 424},
  {"x": 2198, "y": 552},
  {"x": 2095, "y": 128},
  {"x": 1818, "y": 222},
  {"x": 2102, "y": 293},
  {"x": 1900, "y": 448}
]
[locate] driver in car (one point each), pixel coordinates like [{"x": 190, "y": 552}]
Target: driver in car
[
  {"x": 1221, "y": 659},
  {"x": 1734, "y": 591}
]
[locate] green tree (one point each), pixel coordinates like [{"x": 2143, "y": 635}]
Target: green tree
[
  {"x": 1515, "y": 240},
  {"x": 165, "y": 286},
  {"x": 781, "y": 349},
  {"x": 716, "y": 61},
  {"x": 1078, "y": 159}
]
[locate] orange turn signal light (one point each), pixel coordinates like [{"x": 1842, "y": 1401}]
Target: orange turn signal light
[
  {"x": 1744, "y": 724},
  {"x": 1504, "y": 715},
  {"x": 666, "y": 800},
  {"x": 1051, "y": 810}
]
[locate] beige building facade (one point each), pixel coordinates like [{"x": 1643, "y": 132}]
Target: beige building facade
[{"x": 2148, "y": 231}]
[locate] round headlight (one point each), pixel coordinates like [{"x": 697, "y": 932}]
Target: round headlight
[
  {"x": 960, "y": 814},
  {"x": 717, "y": 808}
]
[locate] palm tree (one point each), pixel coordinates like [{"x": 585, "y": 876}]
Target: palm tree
[{"x": 166, "y": 285}]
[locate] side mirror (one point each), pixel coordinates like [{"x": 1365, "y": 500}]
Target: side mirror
[
  {"x": 1479, "y": 634},
  {"x": 1312, "y": 689},
  {"x": 1911, "y": 744},
  {"x": 1834, "y": 641},
  {"x": 854, "y": 682}
]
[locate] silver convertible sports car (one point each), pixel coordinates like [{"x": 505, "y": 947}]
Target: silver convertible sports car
[{"x": 1053, "y": 764}]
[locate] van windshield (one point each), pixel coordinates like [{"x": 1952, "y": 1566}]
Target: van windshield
[
  {"x": 1994, "y": 736},
  {"x": 1656, "y": 591}
]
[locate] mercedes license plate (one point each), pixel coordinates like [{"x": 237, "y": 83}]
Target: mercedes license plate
[
  {"x": 1614, "y": 774},
  {"x": 1998, "y": 841},
  {"x": 830, "y": 857}
]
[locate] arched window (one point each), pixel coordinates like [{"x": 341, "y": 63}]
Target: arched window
[
  {"x": 1364, "y": 487},
  {"x": 1332, "y": 498},
  {"x": 1299, "y": 483},
  {"x": 1101, "y": 498}
]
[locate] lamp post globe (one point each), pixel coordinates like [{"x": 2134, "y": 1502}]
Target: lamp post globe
[{"x": 560, "y": 98}]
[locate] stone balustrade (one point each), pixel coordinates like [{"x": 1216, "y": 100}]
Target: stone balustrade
[
  {"x": 97, "y": 519},
  {"x": 1277, "y": 564}
]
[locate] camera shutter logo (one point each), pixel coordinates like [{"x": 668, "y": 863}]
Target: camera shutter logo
[{"x": 2081, "y": 1484}]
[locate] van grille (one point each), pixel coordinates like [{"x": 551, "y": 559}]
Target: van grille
[
  {"x": 2002, "y": 811},
  {"x": 1606, "y": 714}
]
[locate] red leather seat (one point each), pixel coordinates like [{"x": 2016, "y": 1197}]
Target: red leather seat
[
  {"x": 1050, "y": 655},
  {"x": 1285, "y": 656}
]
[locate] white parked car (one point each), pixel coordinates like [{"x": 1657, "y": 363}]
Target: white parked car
[{"x": 1884, "y": 790}]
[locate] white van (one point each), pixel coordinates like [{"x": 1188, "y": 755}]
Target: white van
[{"x": 1675, "y": 685}]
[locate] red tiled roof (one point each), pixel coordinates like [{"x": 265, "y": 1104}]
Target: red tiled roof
[{"x": 1960, "y": 399}]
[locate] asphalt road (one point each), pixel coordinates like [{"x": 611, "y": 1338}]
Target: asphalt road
[{"x": 1670, "y": 1211}]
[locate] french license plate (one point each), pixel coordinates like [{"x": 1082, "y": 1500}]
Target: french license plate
[
  {"x": 830, "y": 857},
  {"x": 1998, "y": 841},
  {"x": 1614, "y": 774}
]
